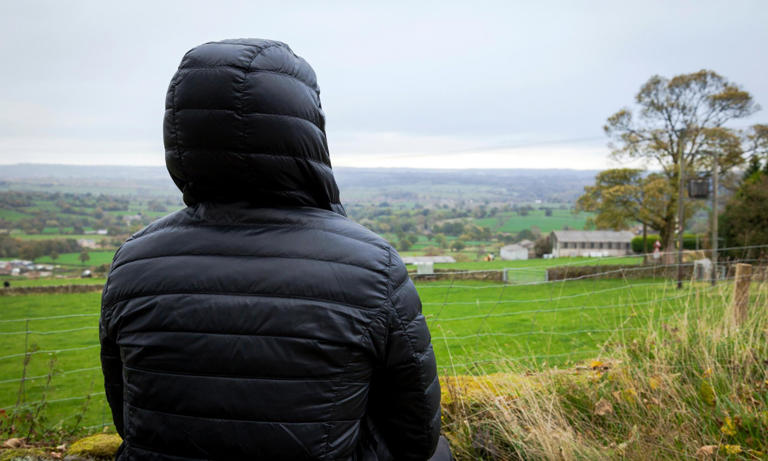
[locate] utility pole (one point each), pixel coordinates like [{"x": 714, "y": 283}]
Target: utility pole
[
  {"x": 715, "y": 185},
  {"x": 680, "y": 208}
]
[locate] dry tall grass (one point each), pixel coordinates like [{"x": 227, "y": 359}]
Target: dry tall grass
[{"x": 696, "y": 386}]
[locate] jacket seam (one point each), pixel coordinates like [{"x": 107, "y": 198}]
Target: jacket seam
[
  {"x": 254, "y": 378},
  {"x": 177, "y": 145},
  {"x": 241, "y": 420},
  {"x": 250, "y": 335},
  {"x": 204, "y": 223},
  {"x": 267, "y": 154},
  {"x": 241, "y": 99},
  {"x": 234, "y": 293},
  {"x": 329, "y": 424},
  {"x": 414, "y": 355},
  {"x": 326, "y": 436},
  {"x": 250, "y": 71},
  {"x": 241, "y": 113},
  {"x": 262, "y": 256}
]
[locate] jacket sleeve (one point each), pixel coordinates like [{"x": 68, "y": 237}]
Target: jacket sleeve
[
  {"x": 406, "y": 390},
  {"x": 111, "y": 363}
]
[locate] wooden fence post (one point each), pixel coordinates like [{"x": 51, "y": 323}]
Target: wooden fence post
[{"x": 740, "y": 301}]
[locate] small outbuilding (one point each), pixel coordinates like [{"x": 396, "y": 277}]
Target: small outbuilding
[
  {"x": 514, "y": 252},
  {"x": 530, "y": 246}
]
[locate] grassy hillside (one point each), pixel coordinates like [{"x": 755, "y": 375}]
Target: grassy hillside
[{"x": 696, "y": 388}]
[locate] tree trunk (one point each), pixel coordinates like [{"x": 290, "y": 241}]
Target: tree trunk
[{"x": 667, "y": 234}]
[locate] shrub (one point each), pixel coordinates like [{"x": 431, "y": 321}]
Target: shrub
[{"x": 689, "y": 242}]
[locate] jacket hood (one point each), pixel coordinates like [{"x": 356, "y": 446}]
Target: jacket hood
[{"x": 243, "y": 122}]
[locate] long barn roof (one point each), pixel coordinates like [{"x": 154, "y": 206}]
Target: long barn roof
[{"x": 593, "y": 236}]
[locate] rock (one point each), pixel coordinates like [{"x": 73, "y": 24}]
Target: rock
[
  {"x": 99, "y": 446},
  {"x": 13, "y": 443},
  {"x": 603, "y": 407}
]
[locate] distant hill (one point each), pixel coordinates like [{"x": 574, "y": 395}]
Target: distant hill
[{"x": 356, "y": 184}]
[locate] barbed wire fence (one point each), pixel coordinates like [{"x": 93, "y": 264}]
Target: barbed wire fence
[{"x": 480, "y": 320}]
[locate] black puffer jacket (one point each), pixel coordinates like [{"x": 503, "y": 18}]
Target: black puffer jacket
[{"x": 259, "y": 322}]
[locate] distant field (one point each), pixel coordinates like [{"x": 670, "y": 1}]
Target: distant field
[
  {"x": 24, "y": 282},
  {"x": 53, "y": 235},
  {"x": 513, "y": 223},
  {"x": 73, "y": 259},
  {"x": 13, "y": 215}
]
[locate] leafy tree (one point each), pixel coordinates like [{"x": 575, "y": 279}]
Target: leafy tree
[
  {"x": 441, "y": 241},
  {"x": 623, "y": 196},
  {"x": 458, "y": 245},
  {"x": 54, "y": 255},
  {"x": 526, "y": 234},
  {"x": 404, "y": 244},
  {"x": 753, "y": 167},
  {"x": 745, "y": 219},
  {"x": 681, "y": 118},
  {"x": 757, "y": 142},
  {"x": 542, "y": 246},
  {"x": 84, "y": 256}
]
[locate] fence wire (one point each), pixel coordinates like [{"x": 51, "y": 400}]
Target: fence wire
[{"x": 475, "y": 324}]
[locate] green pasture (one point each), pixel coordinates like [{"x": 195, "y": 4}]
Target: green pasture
[
  {"x": 57, "y": 236},
  {"x": 97, "y": 258},
  {"x": 13, "y": 215},
  {"x": 512, "y": 222},
  {"x": 71, "y": 356},
  {"x": 474, "y": 326},
  {"x": 26, "y": 282}
]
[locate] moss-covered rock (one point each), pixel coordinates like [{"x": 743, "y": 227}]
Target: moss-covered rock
[
  {"x": 99, "y": 446},
  {"x": 24, "y": 454}
]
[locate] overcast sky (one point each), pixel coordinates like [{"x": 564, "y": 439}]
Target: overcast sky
[{"x": 412, "y": 84}]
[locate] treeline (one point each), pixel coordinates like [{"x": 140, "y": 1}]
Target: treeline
[
  {"x": 31, "y": 249},
  {"x": 69, "y": 213},
  {"x": 690, "y": 242}
]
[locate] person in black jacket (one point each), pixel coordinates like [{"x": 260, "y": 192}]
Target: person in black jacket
[{"x": 259, "y": 322}]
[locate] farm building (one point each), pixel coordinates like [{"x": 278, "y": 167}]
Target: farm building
[
  {"x": 428, "y": 259},
  {"x": 530, "y": 246},
  {"x": 591, "y": 243},
  {"x": 514, "y": 252}
]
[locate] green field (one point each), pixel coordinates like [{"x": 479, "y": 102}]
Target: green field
[
  {"x": 75, "y": 365},
  {"x": 474, "y": 325},
  {"x": 98, "y": 257},
  {"x": 25, "y": 282},
  {"x": 54, "y": 236},
  {"x": 512, "y": 222}
]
